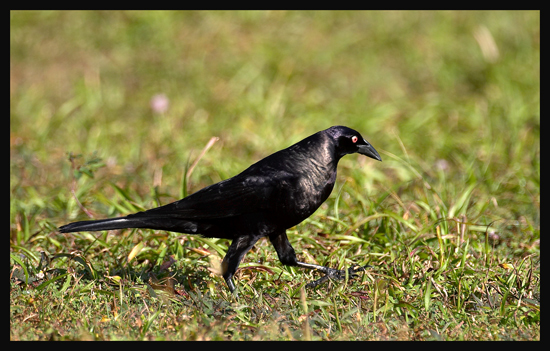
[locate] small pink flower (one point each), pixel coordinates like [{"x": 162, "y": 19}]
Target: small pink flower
[
  {"x": 159, "y": 103},
  {"x": 442, "y": 164},
  {"x": 493, "y": 236}
]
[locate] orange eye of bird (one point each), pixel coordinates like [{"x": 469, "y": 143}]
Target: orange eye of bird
[{"x": 354, "y": 139}]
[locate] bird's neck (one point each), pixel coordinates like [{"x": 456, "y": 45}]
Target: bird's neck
[{"x": 323, "y": 165}]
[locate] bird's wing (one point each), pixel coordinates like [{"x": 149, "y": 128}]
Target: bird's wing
[{"x": 231, "y": 197}]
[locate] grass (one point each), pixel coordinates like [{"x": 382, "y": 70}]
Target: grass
[{"x": 450, "y": 221}]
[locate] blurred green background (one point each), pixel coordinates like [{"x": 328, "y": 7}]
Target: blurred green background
[
  {"x": 462, "y": 87},
  {"x": 450, "y": 99}
]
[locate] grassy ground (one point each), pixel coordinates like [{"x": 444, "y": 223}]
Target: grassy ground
[{"x": 450, "y": 221}]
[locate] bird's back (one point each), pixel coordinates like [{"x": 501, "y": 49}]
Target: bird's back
[{"x": 278, "y": 191}]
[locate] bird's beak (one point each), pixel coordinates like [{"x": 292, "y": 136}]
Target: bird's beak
[{"x": 369, "y": 151}]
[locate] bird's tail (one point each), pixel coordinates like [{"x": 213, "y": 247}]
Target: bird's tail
[
  {"x": 138, "y": 220},
  {"x": 97, "y": 225}
]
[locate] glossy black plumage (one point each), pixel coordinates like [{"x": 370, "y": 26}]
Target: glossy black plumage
[{"x": 267, "y": 198}]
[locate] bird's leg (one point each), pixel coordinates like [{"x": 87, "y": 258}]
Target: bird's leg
[
  {"x": 287, "y": 256},
  {"x": 238, "y": 248},
  {"x": 285, "y": 251}
]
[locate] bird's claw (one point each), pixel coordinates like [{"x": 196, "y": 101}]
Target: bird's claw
[{"x": 337, "y": 274}]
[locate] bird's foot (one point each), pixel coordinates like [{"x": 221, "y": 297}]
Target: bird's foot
[{"x": 337, "y": 274}]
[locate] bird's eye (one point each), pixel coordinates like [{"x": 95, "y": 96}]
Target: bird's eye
[{"x": 354, "y": 139}]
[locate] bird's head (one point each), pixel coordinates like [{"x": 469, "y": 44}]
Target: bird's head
[{"x": 349, "y": 141}]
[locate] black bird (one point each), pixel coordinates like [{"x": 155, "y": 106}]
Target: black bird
[{"x": 272, "y": 195}]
